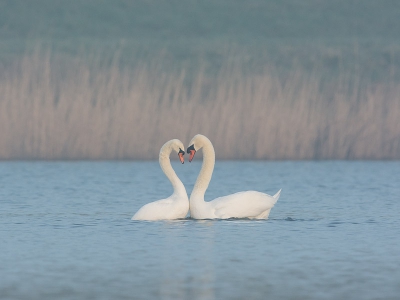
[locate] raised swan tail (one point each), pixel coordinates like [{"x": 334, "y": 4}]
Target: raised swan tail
[{"x": 276, "y": 196}]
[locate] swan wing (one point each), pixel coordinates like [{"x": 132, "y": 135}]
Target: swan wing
[
  {"x": 249, "y": 204},
  {"x": 162, "y": 209}
]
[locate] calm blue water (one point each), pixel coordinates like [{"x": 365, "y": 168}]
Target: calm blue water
[{"x": 66, "y": 233}]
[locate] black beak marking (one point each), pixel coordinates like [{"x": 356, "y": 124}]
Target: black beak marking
[
  {"x": 190, "y": 148},
  {"x": 181, "y": 153}
]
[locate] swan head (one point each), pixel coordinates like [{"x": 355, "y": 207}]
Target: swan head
[
  {"x": 181, "y": 153},
  {"x": 197, "y": 142},
  {"x": 175, "y": 145},
  {"x": 191, "y": 151},
  {"x": 178, "y": 146}
]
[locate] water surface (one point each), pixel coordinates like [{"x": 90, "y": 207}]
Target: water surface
[{"x": 66, "y": 233}]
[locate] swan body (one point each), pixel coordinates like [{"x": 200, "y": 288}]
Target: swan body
[
  {"x": 248, "y": 204},
  {"x": 177, "y": 205}
]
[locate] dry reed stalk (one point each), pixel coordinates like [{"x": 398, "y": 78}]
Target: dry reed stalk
[{"x": 77, "y": 112}]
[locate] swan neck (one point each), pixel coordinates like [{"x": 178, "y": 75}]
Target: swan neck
[
  {"x": 165, "y": 164},
  {"x": 207, "y": 168}
]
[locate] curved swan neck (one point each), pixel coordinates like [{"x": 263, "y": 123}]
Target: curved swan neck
[
  {"x": 165, "y": 164},
  {"x": 207, "y": 168}
]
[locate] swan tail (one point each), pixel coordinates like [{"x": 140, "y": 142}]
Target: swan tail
[{"x": 276, "y": 196}]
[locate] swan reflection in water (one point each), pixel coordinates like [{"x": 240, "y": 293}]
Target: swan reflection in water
[{"x": 191, "y": 276}]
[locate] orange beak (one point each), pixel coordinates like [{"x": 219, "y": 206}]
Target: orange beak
[
  {"x": 181, "y": 158},
  {"x": 192, "y": 153}
]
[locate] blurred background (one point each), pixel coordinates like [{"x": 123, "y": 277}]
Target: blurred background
[{"x": 282, "y": 79}]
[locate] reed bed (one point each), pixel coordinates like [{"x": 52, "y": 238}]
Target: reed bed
[{"x": 50, "y": 109}]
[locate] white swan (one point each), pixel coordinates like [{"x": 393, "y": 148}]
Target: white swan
[
  {"x": 249, "y": 204},
  {"x": 177, "y": 205}
]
